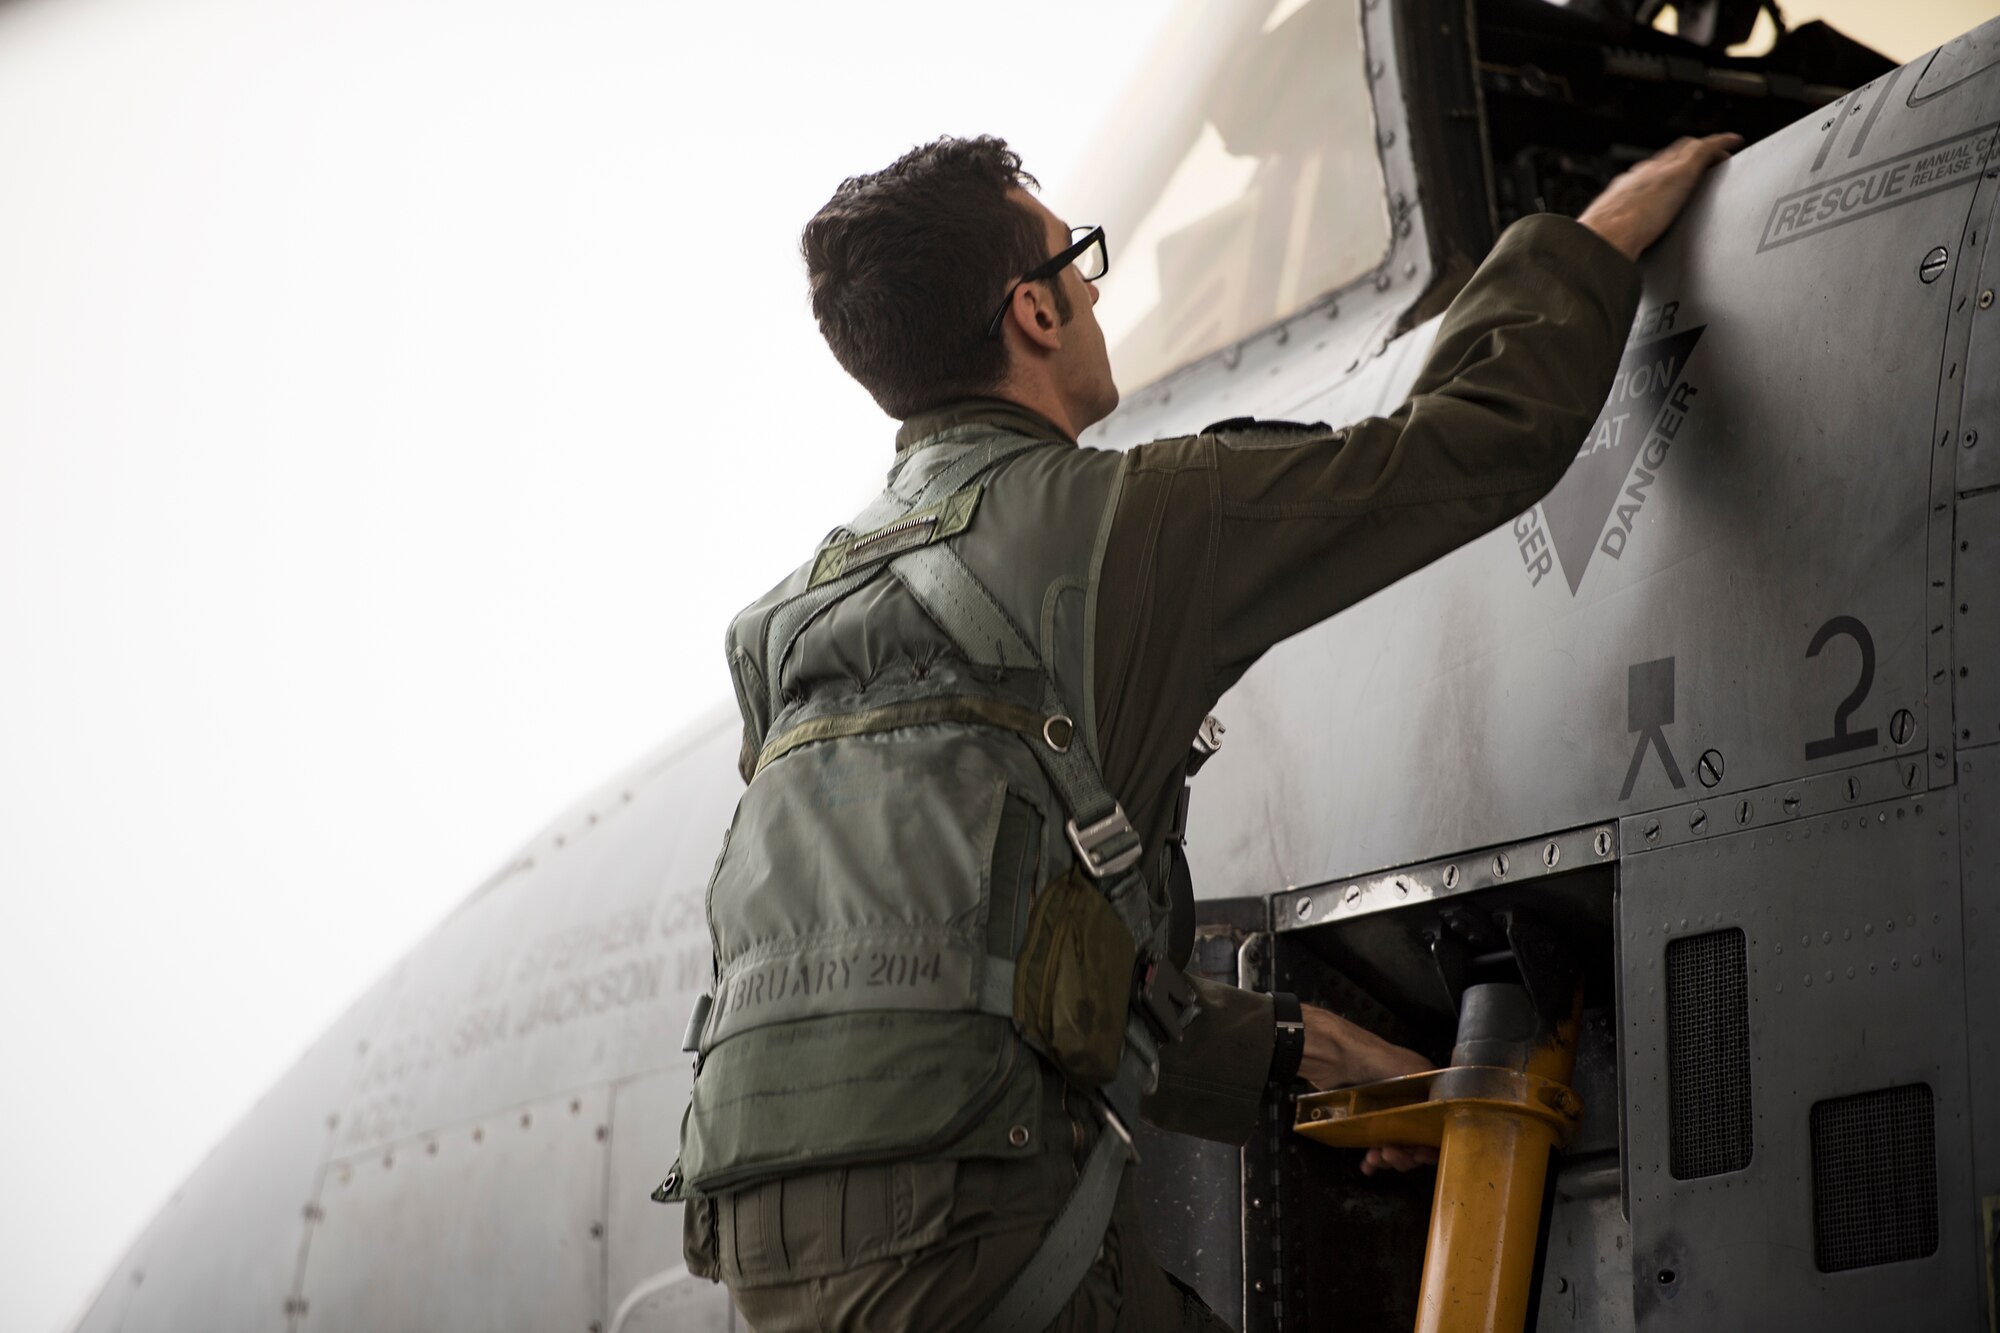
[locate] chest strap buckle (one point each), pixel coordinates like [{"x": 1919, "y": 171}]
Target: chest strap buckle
[{"x": 1091, "y": 841}]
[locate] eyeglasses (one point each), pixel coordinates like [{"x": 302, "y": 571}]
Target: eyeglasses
[{"x": 1086, "y": 250}]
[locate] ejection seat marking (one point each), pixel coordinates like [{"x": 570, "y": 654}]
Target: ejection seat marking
[
  {"x": 1649, "y": 708},
  {"x": 1841, "y": 110},
  {"x": 1880, "y": 100},
  {"x": 1890, "y": 183},
  {"x": 1842, "y": 740},
  {"x": 1594, "y": 508}
]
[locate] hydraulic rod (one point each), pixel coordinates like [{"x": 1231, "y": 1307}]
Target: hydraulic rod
[{"x": 1495, "y": 1115}]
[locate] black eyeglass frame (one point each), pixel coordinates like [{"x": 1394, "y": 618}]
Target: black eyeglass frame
[{"x": 1050, "y": 267}]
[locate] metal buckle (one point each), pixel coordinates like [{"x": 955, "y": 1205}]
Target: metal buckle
[
  {"x": 1116, "y": 1125},
  {"x": 697, "y": 1021},
  {"x": 1207, "y": 740},
  {"x": 1088, "y": 840}
]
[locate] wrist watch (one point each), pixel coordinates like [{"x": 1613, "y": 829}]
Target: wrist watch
[{"x": 1290, "y": 1047}]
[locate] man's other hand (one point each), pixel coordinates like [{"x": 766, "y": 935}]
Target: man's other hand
[
  {"x": 1339, "y": 1053},
  {"x": 1400, "y": 1158},
  {"x": 1637, "y": 208}
]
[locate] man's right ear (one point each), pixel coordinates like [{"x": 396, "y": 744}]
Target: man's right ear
[{"x": 1033, "y": 314}]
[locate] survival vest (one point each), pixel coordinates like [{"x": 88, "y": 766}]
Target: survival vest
[{"x": 927, "y": 877}]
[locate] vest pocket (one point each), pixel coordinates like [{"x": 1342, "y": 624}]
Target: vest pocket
[
  {"x": 817, "y": 1223},
  {"x": 858, "y": 879},
  {"x": 1073, "y": 979},
  {"x": 855, "y": 1088}
]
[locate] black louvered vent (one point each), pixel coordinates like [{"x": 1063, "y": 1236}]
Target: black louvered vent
[
  {"x": 1708, "y": 1055},
  {"x": 1874, "y": 1166}
]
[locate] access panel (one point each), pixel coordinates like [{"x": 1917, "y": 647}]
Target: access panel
[
  {"x": 496, "y": 1222},
  {"x": 1797, "y": 1103}
]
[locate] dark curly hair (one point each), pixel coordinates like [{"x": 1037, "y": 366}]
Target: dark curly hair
[{"x": 907, "y": 265}]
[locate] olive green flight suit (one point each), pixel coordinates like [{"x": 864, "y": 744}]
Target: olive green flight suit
[{"x": 1222, "y": 545}]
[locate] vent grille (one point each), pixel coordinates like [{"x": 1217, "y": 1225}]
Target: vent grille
[
  {"x": 1708, "y": 1055},
  {"x": 1874, "y": 1165}
]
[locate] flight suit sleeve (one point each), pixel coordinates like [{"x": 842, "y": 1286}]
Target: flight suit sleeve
[
  {"x": 1522, "y": 362},
  {"x": 1226, "y": 543},
  {"x": 1212, "y": 1080}
]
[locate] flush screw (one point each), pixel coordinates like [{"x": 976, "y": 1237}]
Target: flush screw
[
  {"x": 1602, "y": 842},
  {"x": 1550, "y": 855},
  {"x": 1710, "y": 767},
  {"x": 1653, "y": 831},
  {"x": 1986, "y": 299},
  {"x": 1743, "y": 812},
  {"x": 1451, "y": 877},
  {"x": 1933, "y": 264},
  {"x": 1902, "y": 726},
  {"x": 1304, "y": 909},
  {"x": 1500, "y": 865},
  {"x": 1697, "y": 822},
  {"x": 1791, "y": 802}
]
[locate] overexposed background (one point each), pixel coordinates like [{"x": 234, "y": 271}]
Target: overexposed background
[{"x": 396, "y": 399}]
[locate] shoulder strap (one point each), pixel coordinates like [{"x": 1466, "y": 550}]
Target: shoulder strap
[
  {"x": 920, "y": 477},
  {"x": 952, "y": 595}
]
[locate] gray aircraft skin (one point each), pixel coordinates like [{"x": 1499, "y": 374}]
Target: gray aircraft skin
[{"x": 1724, "y": 709}]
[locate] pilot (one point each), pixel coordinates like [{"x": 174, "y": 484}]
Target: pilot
[{"x": 948, "y": 921}]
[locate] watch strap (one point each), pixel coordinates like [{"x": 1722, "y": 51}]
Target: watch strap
[{"x": 1290, "y": 1047}]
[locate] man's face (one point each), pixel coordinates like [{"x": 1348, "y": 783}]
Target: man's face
[{"x": 1082, "y": 366}]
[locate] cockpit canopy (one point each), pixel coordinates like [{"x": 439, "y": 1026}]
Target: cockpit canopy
[{"x": 1238, "y": 181}]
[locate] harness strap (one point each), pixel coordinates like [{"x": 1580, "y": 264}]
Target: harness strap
[
  {"x": 996, "y": 988},
  {"x": 927, "y": 473},
  {"x": 1106, "y": 843},
  {"x": 914, "y": 483},
  {"x": 1045, "y": 1284},
  {"x": 952, "y": 596},
  {"x": 1052, "y": 1274}
]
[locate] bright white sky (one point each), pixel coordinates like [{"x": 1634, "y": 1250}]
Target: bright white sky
[{"x": 396, "y": 399}]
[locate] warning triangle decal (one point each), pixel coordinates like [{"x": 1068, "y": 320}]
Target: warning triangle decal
[{"x": 1577, "y": 510}]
